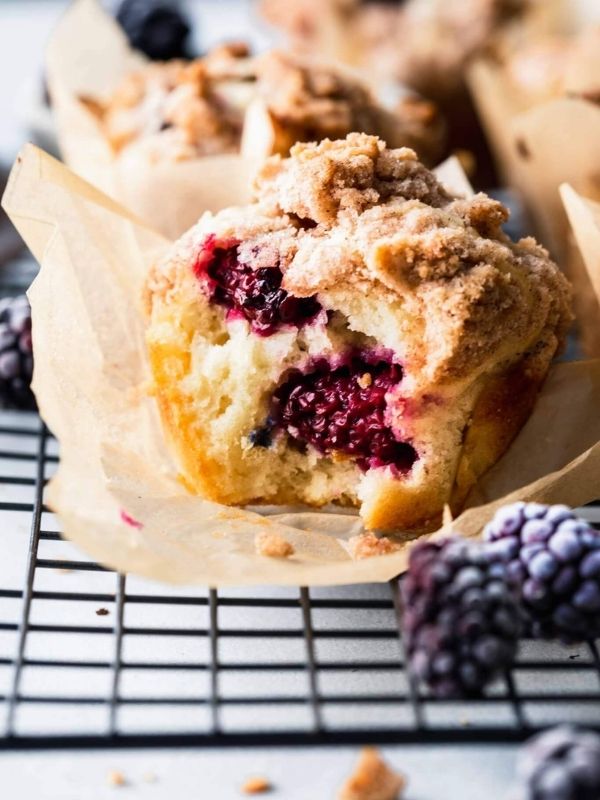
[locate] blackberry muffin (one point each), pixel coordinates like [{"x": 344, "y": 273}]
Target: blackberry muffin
[
  {"x": 355, "y": 336},
  {"x": 179, "y": 110},
  {"x": 557, "y": 66}
]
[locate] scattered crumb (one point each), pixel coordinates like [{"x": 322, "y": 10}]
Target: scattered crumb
[
  {"x": 272, "y": 545},
  {"x": 367, "y": 545},
  {"x": 102, "y": 612},
  {"x": 365, "y": 380},
  {"x": 116, "y": 778},
  {"x": 149, "y": 777},
  {"x": 372, "y": 779},
  {"x": 464, "y": 722},
  {"x": 257, "y": 785},
  {"x": 63, "y": 571}
]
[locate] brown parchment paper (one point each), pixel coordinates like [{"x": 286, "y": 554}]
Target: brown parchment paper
[
  {"x": 583, "y": 264},
  {"x": 91, "y": 378},
  {"x": 88, "y": 56},
  {"x": 538, "y": 148}
]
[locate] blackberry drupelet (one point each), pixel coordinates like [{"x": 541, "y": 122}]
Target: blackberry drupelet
[
  {"x": 553, "y": 558},
  {"x": 156, "y": 27},
  {"x": 16, "y": 354},
  {"x": 460, "y": 618},
  {"x": 561, "y": 764}
]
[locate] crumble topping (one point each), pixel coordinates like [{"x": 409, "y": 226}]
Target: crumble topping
[
  {"x": 380, "y": 218},
  {"x": 187, "y": 109}
]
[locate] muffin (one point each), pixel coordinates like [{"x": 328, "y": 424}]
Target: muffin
[
  {"x": 355, "y": 336},
  {"x": 557, "y": 66},
  {"x": 181, "y": 110},
  {"x": 425, "y": 45}
]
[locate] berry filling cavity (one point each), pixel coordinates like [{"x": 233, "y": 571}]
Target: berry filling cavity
[
  {"x": 342, "y": 411},
  {"x": 256, "y": 294}
]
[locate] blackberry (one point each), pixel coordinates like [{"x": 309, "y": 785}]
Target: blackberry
[
  {"x": 561, "y": 764},
  {"x": 343, "y": 410},
  {"x": 157, "y": 28},
  {"x": 460, "y": 618},
  {"x": 553, "y": 558},
  {"x": 16, "y": 354},
  {"x": 255, "y": 294}
]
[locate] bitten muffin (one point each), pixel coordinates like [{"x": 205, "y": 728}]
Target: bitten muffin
[
  {"x": 355, "y": 336},
  {"x": 179, "y": 110}
]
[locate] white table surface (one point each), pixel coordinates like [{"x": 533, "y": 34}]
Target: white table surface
[{"x": 435, "y": 773}]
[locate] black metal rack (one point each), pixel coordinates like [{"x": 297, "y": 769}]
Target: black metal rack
[{"x": 341, "y": 648}]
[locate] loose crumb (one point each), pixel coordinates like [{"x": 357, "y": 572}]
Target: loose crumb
[
  {"x": 102, "y": 612},
  {"x": 272, "y": 545},
  {"x": 257, "y": 785},
  {"x": 372, "y": 779},
  {"x": 116, "y": 778},
  {"x": 63, "y": 571},
  {"x": 367, "y": 545},
  {"x": 149, "y": 777},
  {"x": 365, "y": 380}
]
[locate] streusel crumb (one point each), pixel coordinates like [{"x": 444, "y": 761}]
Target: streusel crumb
[
  {"x": 257, "y": 785},
  {"x": 116, "y": 778},
  {"x": 372, "y": 779},
  {"x": 272, "y": 545},
  {"x": 367, "y": 545}
]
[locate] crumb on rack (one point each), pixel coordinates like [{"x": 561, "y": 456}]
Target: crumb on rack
[
  {"x": 365, "y": 380},
  {"x": 366, "y": 545},
  {"x": 149, "y": 777},
  {"x": 102, "y": 612},
  {"x": 372, "y": 779},
  {"x": 273, "y": 545},
  {"x": 257, "y": 785},
  {"x": 116, "y": 778}
]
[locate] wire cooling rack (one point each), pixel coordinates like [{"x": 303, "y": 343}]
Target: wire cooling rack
[{"x": 90, "y": 658}]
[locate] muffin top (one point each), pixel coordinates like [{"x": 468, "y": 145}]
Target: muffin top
[
  {"x": 188, "y": 109},
  {"x": 353, "y": 219}
]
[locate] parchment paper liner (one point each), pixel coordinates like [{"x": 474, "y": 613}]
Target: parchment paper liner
[
  {"x": 583, "y": 264},
  {"x": 538, "y": 148},
  {"x": 90, "y": 379},
  {"x": 87, "y": 56}
]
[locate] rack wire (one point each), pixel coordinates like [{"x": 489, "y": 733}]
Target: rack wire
[{"x": 90, "y": 658}]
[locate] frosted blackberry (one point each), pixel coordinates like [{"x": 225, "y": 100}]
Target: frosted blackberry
[
  {"x": 16, "y": 355},
  {"x": 560, "y": 764},
  {"x": 156, "y": 27},
  {"x": 553, "y": 558},
  {"x": 460, "y": 618}
]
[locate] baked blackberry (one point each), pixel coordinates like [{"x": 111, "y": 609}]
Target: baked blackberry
[
  {"x": 561, "y": 764},
  {"x": 460, "y": 618},
  {"x": 157, "y": 28},
  {"x": 553, "y": 558},
  {"x": 16, "y": 354}
]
